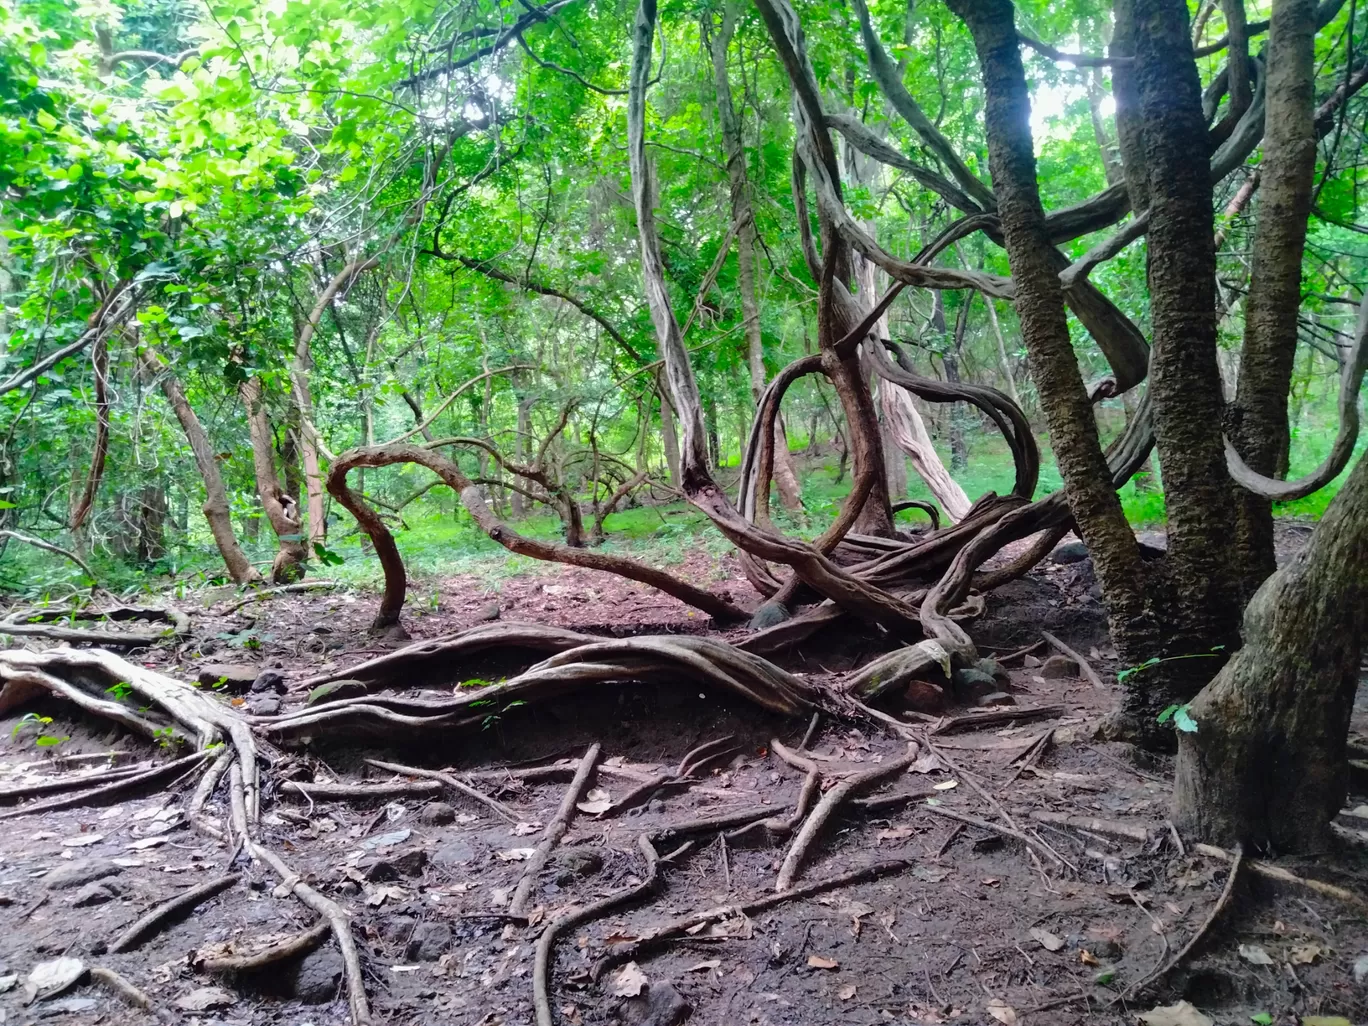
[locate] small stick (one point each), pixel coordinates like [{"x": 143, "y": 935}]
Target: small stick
[
  {"x": 759, "y": 903},
  {"x": 726, "y": 862},
  {"x": 499, "y": 808},
  {"x": 984, "y": 824},
  {"x": 1031, "y": 756},
  {"x": 155, "y": 920},
  {"x": 262, "y": 594},
  {"x": 883, "y": 802},
  {"x": 121, "y": 987},
  {"x": 811, "y": 731},
  {"x": 1112, "y": 827},
  {"x": 1271, "y": 872},
  {"x": 286, "y": 949},
  {"x": 949, "y": 840},
  {"x": 554, "y": 831},
  {"x": 1177, "y": 839},
  {"x": 1083, "y": 664},
  {"x": 793, "y": 861},
  {"x": 101, "y": 795},
  {"x": 1127, "y": 766},
  {"x": 1019, "y": 653},
  {"x": 362, "y": 792},
  {"x": 970, "y": 721},
  {"x": 1193, "y": 941},
  {"x": 16, "y": 794},
  {"x": 541, "y": 968}
]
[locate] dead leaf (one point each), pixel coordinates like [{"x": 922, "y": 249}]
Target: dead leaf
[
  {"x": 895, "y": 833},
  {"x": 205, "y": 998},
  {"x": 618, "y": 937},
  {"x": 524, "y": 829},
  {"x": 596, "y": 801},
  {"x": 846, "y": 991},
  {"x": 377, "y": 896},
  {"x": 1255, "y": 955},
  {"x": 930, "y": 875},
  {"x": 81, "y": 840},
  {"x": 1048, "y": 940},
  {"x": 702, "y": 967},
  {"x": 515, "y": 854},
  {"x": 628, "y": 981},
  {"x": 991, "y": 881},
  {"x": 1088, "y": 958},
  {"x": 386, "y": 840},
  {"x": 818, "y": 962},
  {"x": 946, "y": 785},
  {"x": 1002, "y": 1012},
  {"x": 928, "y": 763},
  {"x": 1181, "y": 1014},
  {"x": 1305, "y": 954},
  {"x": 48, "y": 979},
  {"x": 143, "y": 843}
]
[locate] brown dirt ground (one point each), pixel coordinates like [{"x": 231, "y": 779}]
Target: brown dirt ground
[{"x": 963, "y": 936}]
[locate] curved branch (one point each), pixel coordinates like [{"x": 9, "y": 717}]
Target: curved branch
[{"x": 115, "y": 309}]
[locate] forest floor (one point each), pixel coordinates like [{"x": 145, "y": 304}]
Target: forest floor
[{"x": 955, "y": 923}]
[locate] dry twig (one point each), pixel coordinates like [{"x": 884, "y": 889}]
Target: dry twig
[
  {"x": 155, "y": 920},
  {"x": 554, "y": 831},
  {"x": 499, "y": 808}
]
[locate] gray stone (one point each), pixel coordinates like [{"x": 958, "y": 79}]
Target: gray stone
[
  {"x": 411, "y": 862},
  {"x": 79, "y": 872},
  {"x": 971, "y": 685},
  {"x": 1030, "y": 662},
  {"x": 269, "y": 680},
  {"x": 453, "y": 853},
  {"x": 97, "y": 893},
  {"x": 491, "y": 612},
  {"x": 570, "y": 864},
  {"x": 236, "y": 677},
  {"x": 436, "y": 814},
  {"x": 1059, "y": 667},
  {"x": 658, "y": 1004},
  {"x": 1069, "y": 552},
  {"x": 382, "y": 872},
  {"x": 429, "y": 942},
  {"x": 263, "y": 705},
  {"x": 316, "y": 977},
  {"x": 335, "y": 691}
]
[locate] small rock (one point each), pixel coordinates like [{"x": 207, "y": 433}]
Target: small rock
[
  {"x": 655, "y": 805},
  {"x": 235, "y": 677},
  {"x": 97, "y": 893},
  {"x": 204, "y": 998},
  {"x": 1361, "y": 969},
  {"x": 924, "y": 697},
  {"x": 382, "y": 872},
  {"x": 429, "y": 942},
  {"x": 1069, "y": 552},
  {"x": 491, "y": 612},
  {"x": 1059, "y": 667},
  {"x": 571, "y": 864},
  {"x": 971, "y": 685},
  {"x": 316, "y": 976},
  {"x": 269, "y": 680},
  {"x": 658, "y": 1004},
  {"x": 335, "y": 691},
  {"x": 1104, "y": 948},
  {"x": 79, "y": 872},
  {"x": 1030, "y": 662},
  {"x": 994, "y": 669},
  {"x": 997, "y": 698},
  {"x": 8, "y": 983},
  {"x": 436, "y": 814},
  {"x": 411, "y": 862},
  {"x": 454, "y": 853},
  {"x": 263, "y": 705}
]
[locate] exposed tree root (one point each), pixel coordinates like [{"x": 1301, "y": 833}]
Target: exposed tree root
[
  {"x": 268, "y": 956},
  {"x": 553, "y": 833},
  {"x": 447, "y": 780},
  {"x": 1083, "y": 664},
  {"x": 39, "y": 623},
  {"x": 75, "y": 783},
  {"x": 1279, "y": 875},
  {"x": 1112, "y": 827},
  {"x": 120, "y": 986},
  {"x": 155, "y": 920},
  {"x": 1013, "y": 714},
  {"x": 693, "y": 763},
  {"x": 109, "y": 793}
]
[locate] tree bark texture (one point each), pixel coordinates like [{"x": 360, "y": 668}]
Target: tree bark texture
[
  {"x": 281, "y": 511},
  {"x": 1267, "y": 766},
  {"x": 1257, "y": 420},
  {"x": 215, "y": 495},
  {"x": 1196, "y": 601},
  {"x": 1130, "y": 135},
  {"x": 1040, "y": 310}
]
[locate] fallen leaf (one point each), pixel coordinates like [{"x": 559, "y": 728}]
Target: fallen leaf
[
  {"x": 205, "y": 998},
  {"x": 846, "y": 991},
  {"x": 386, "y": 840},
  {"x": 524, "y": 829},
  {"x": 1002, "y": 1012},
  {"x": 1088, "y": 958},
  {"x": 1305, "y": 954},
  {"x": 701, "y": 967},
  {"x": 143, "y": 843},
  {"x": 377, "y": 896},
  {"x": 930, "y": 875},
  {"x": 945, "y": 785},
  {"x": 81, "y": 840},
  {"x": 628, "y": 981},
  {"x": 515, "y": 854},
  {"x": 1255, "y": 955},
  {"x": 895, "y": 833},
  {"x": 596, "y": 801},
  {"x": 818, "y": 962},
  {"x": 991, "y": 881},
  {"x": 1048, "y": 940},
  {"x": 928, "y": 763},
  {"x": 1181, "y": 1014},
  {"x": 48, "y": 979},
  {"x": 618, "y": 937}
]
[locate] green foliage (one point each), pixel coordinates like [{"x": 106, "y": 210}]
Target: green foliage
[
  {"x": 1181, "y": 717},
  {"x": 32, "y": 721}
]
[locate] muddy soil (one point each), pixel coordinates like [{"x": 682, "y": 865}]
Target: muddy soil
[{"x": 971, "y": 926}]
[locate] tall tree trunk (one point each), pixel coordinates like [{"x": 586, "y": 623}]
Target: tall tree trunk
[
  {"x": 522, "y": 446},
  {"x": 1006, "y": 363},
  {"x": 743, "y": 218},
  {"x": 950, "y": 357},
  {"x": 215, "y": 495},
  {"x": 1257, "y": 420},
  {"x": 1267, "y": 764},
  {"x": 1197, "y": 598},
  {"x": 281, "y": 510},
  {"x": 99, "y": 362},
  {"x": 151, "y": 522},
  {"x": 1044, "y": 325},
  {"x": 1111, "y": 163},
  {"x": 1130, "y": 135},
  {"x": 669, "y": 438}
]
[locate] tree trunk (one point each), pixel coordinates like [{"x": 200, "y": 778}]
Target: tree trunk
[
  {"x": 1111, "y": 164},
  {"x": 669, "y": 438},
  {"x": 281, "y": 510},
  {"x": 1130, "y": 135},
  {"x": 909, "y": 434},
  {"x": 521, "y": 447},
  {"x": 1197, "y": 601},
  {"x": 1257, "y": 420},
  {"x": 959, "y": 448},
  {"x": 1007, "y": 377},
  {"x": 1040, "y": 308},
  {"x": 743, "y": 218},
  {"x": 1144, "y": 477},
  {"x": 215, "y": 495},
  {"x": 151, "y": 523},
  {"x": 99, "y": 361},
  {"x": 1267, "y": 764}
]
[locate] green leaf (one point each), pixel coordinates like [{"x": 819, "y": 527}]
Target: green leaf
[
  {"x": 46, "y": 120},
  {"x": 1167, "y": 714},
  {"x": 1182, "y": 719},
  {"x": 8, "y": 505},
  {"x": 48, "y": 741},
  {"x": 1262, "y": 1018}
]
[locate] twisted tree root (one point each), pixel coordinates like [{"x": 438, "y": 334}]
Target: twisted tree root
[
  {"x": 554, "y": 831},
  {"x": 282, "y": 952},
  {"x": 155, "y": 920}
]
